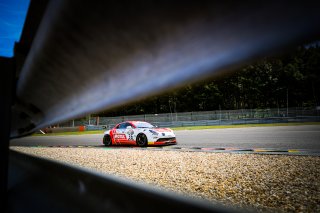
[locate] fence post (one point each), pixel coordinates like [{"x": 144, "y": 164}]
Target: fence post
[
  {"x": 287, "y": 102},
  {"x": 220, "y": 114}
]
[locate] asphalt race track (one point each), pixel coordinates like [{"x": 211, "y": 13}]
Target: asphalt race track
[{"x": 282, "y": 137}]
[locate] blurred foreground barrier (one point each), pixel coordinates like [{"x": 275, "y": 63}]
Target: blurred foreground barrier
[{"x": 41, "y": 185}]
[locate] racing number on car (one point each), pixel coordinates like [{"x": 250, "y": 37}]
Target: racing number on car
[{"x": 130, "y": 133}]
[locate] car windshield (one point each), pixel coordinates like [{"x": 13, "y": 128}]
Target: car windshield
[{"x": 143, "y": 125}]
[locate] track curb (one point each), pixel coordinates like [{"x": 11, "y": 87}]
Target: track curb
[{"x": 304, "y": 152}]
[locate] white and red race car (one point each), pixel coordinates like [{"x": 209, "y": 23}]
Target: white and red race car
[{"x": 139, "y": 133}]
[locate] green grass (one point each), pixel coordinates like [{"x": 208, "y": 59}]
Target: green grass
[
  {"x": 188, "y": 128},
  {"x": 243, "y": 126},
  {"x": 71, "y": 133}
]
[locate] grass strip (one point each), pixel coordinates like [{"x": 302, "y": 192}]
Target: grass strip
[
  {"x": 243, "y": 126},
  {"x": 70, "y": 133}
]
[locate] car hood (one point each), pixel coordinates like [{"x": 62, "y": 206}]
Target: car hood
[{"x": 162, "y": 129}]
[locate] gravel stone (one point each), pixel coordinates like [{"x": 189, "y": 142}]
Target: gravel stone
[{"x": 264, "y": 183}]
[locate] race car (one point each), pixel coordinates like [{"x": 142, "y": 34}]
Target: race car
[{"x": 138, "y": 133}]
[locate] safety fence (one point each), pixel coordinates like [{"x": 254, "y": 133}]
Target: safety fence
[{"x": 206, "y": 118}]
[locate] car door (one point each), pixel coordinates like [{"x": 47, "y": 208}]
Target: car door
[
  {"x": 130, "y": 136},
  {"x": 119, "y": 134}
]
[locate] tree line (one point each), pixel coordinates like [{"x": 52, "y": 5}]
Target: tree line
[{"x": 292, "y": 79}]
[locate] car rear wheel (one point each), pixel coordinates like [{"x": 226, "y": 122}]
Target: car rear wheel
[
  {"x": 142, "y": 140},
  {"x": 107, "y": 140}
]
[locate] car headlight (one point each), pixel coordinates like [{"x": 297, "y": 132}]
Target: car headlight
[{"x": 153, "y": 132}]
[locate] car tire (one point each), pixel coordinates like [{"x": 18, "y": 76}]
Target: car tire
[
  {"x": 107, "y": 140},
  {"x": 142, "y": 140}
]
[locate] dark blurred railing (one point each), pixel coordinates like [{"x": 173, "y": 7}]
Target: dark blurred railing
[{"x": 41, "y": 185}]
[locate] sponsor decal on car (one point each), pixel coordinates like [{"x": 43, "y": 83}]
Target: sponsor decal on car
[{"x": 119, "y": 136}]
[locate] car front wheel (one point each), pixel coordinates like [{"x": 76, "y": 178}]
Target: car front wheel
[
  {"x": 142, "y": 140},
  {"x": 107, "y": 140}
]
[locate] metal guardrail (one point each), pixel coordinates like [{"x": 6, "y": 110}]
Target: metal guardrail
[
  {"x": 270, "y": 120},
  {"x": 204, "y": 118},
  {"x": 41, "y": 185}
]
